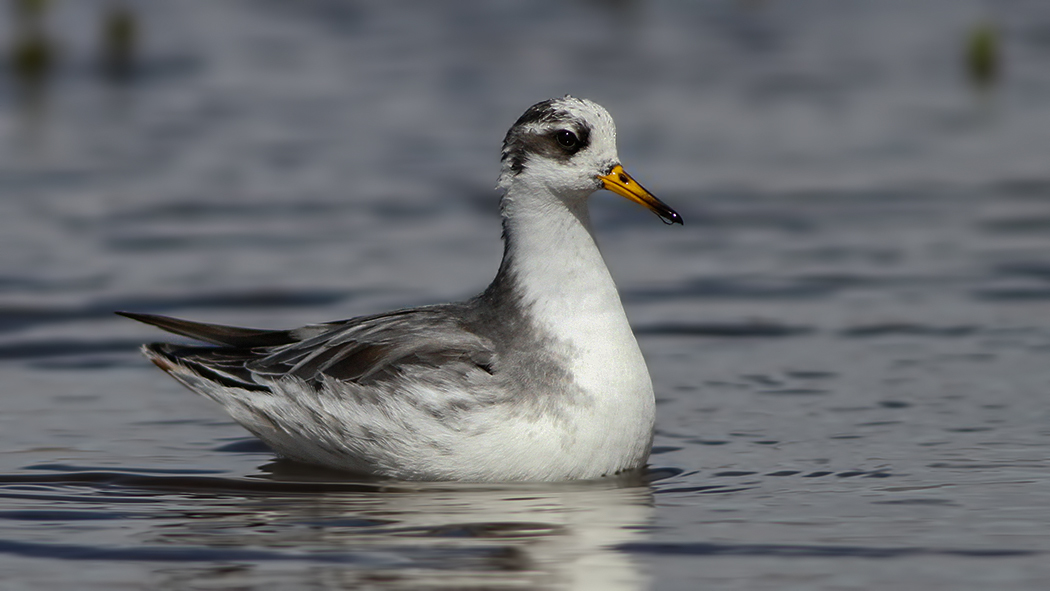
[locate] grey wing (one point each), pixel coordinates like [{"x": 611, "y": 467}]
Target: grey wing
[
  {"x": 383, "y": 348},
  {"x": 429, "y": 342}
]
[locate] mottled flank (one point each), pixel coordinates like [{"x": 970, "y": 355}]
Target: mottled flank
[{"x": 414, "y": 378}]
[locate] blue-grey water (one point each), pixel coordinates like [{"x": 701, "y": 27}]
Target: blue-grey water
[{"x": 849, "y": 339}]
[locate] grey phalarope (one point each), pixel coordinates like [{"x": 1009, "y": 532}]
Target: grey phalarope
[{"x": 537, "y": 378}]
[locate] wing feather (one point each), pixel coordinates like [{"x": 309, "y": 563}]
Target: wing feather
[{"x": 363, "y": 350}]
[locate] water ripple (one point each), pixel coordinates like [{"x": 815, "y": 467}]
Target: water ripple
[
  {"x": 211, "y": 554},
  {"x": 701, "y": 549}
]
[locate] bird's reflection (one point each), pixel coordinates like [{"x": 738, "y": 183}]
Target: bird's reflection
[{"x": 409, "y": 535}]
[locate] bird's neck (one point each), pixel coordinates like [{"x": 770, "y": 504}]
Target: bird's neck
[
  {"x": 551, "y": 257},
  {"x": 554, "y": 271}
]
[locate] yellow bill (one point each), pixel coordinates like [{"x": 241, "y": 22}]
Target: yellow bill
[{"x": 621, "y": 183}]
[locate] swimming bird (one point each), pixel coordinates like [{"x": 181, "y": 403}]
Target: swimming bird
[{"x": 537, "y": 378}]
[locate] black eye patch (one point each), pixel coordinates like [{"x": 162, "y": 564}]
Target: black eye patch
[{"x": 560, "y": 142}]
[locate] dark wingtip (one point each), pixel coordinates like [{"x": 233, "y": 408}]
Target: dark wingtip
[
  {"x": 150, "y": 319},
  {"x": 216, "y": 334}
]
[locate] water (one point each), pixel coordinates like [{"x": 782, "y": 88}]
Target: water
[{"x": 848, "y": 338}]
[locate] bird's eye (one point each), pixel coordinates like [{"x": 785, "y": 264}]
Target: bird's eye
[{"x": 567, "y": 139}]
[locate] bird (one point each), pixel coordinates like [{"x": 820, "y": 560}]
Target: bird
[{"x": 537, "y": 378}]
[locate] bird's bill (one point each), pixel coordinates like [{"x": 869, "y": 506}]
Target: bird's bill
[{"x": 621, "y": 183}]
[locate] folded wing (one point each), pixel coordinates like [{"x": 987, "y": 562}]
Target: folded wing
[{"x": 366, "y": 350}]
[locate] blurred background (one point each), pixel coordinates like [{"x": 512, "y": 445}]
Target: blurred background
[
  {"x": 860, "y": 294},
  {"x": 156, "y": 148}
]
